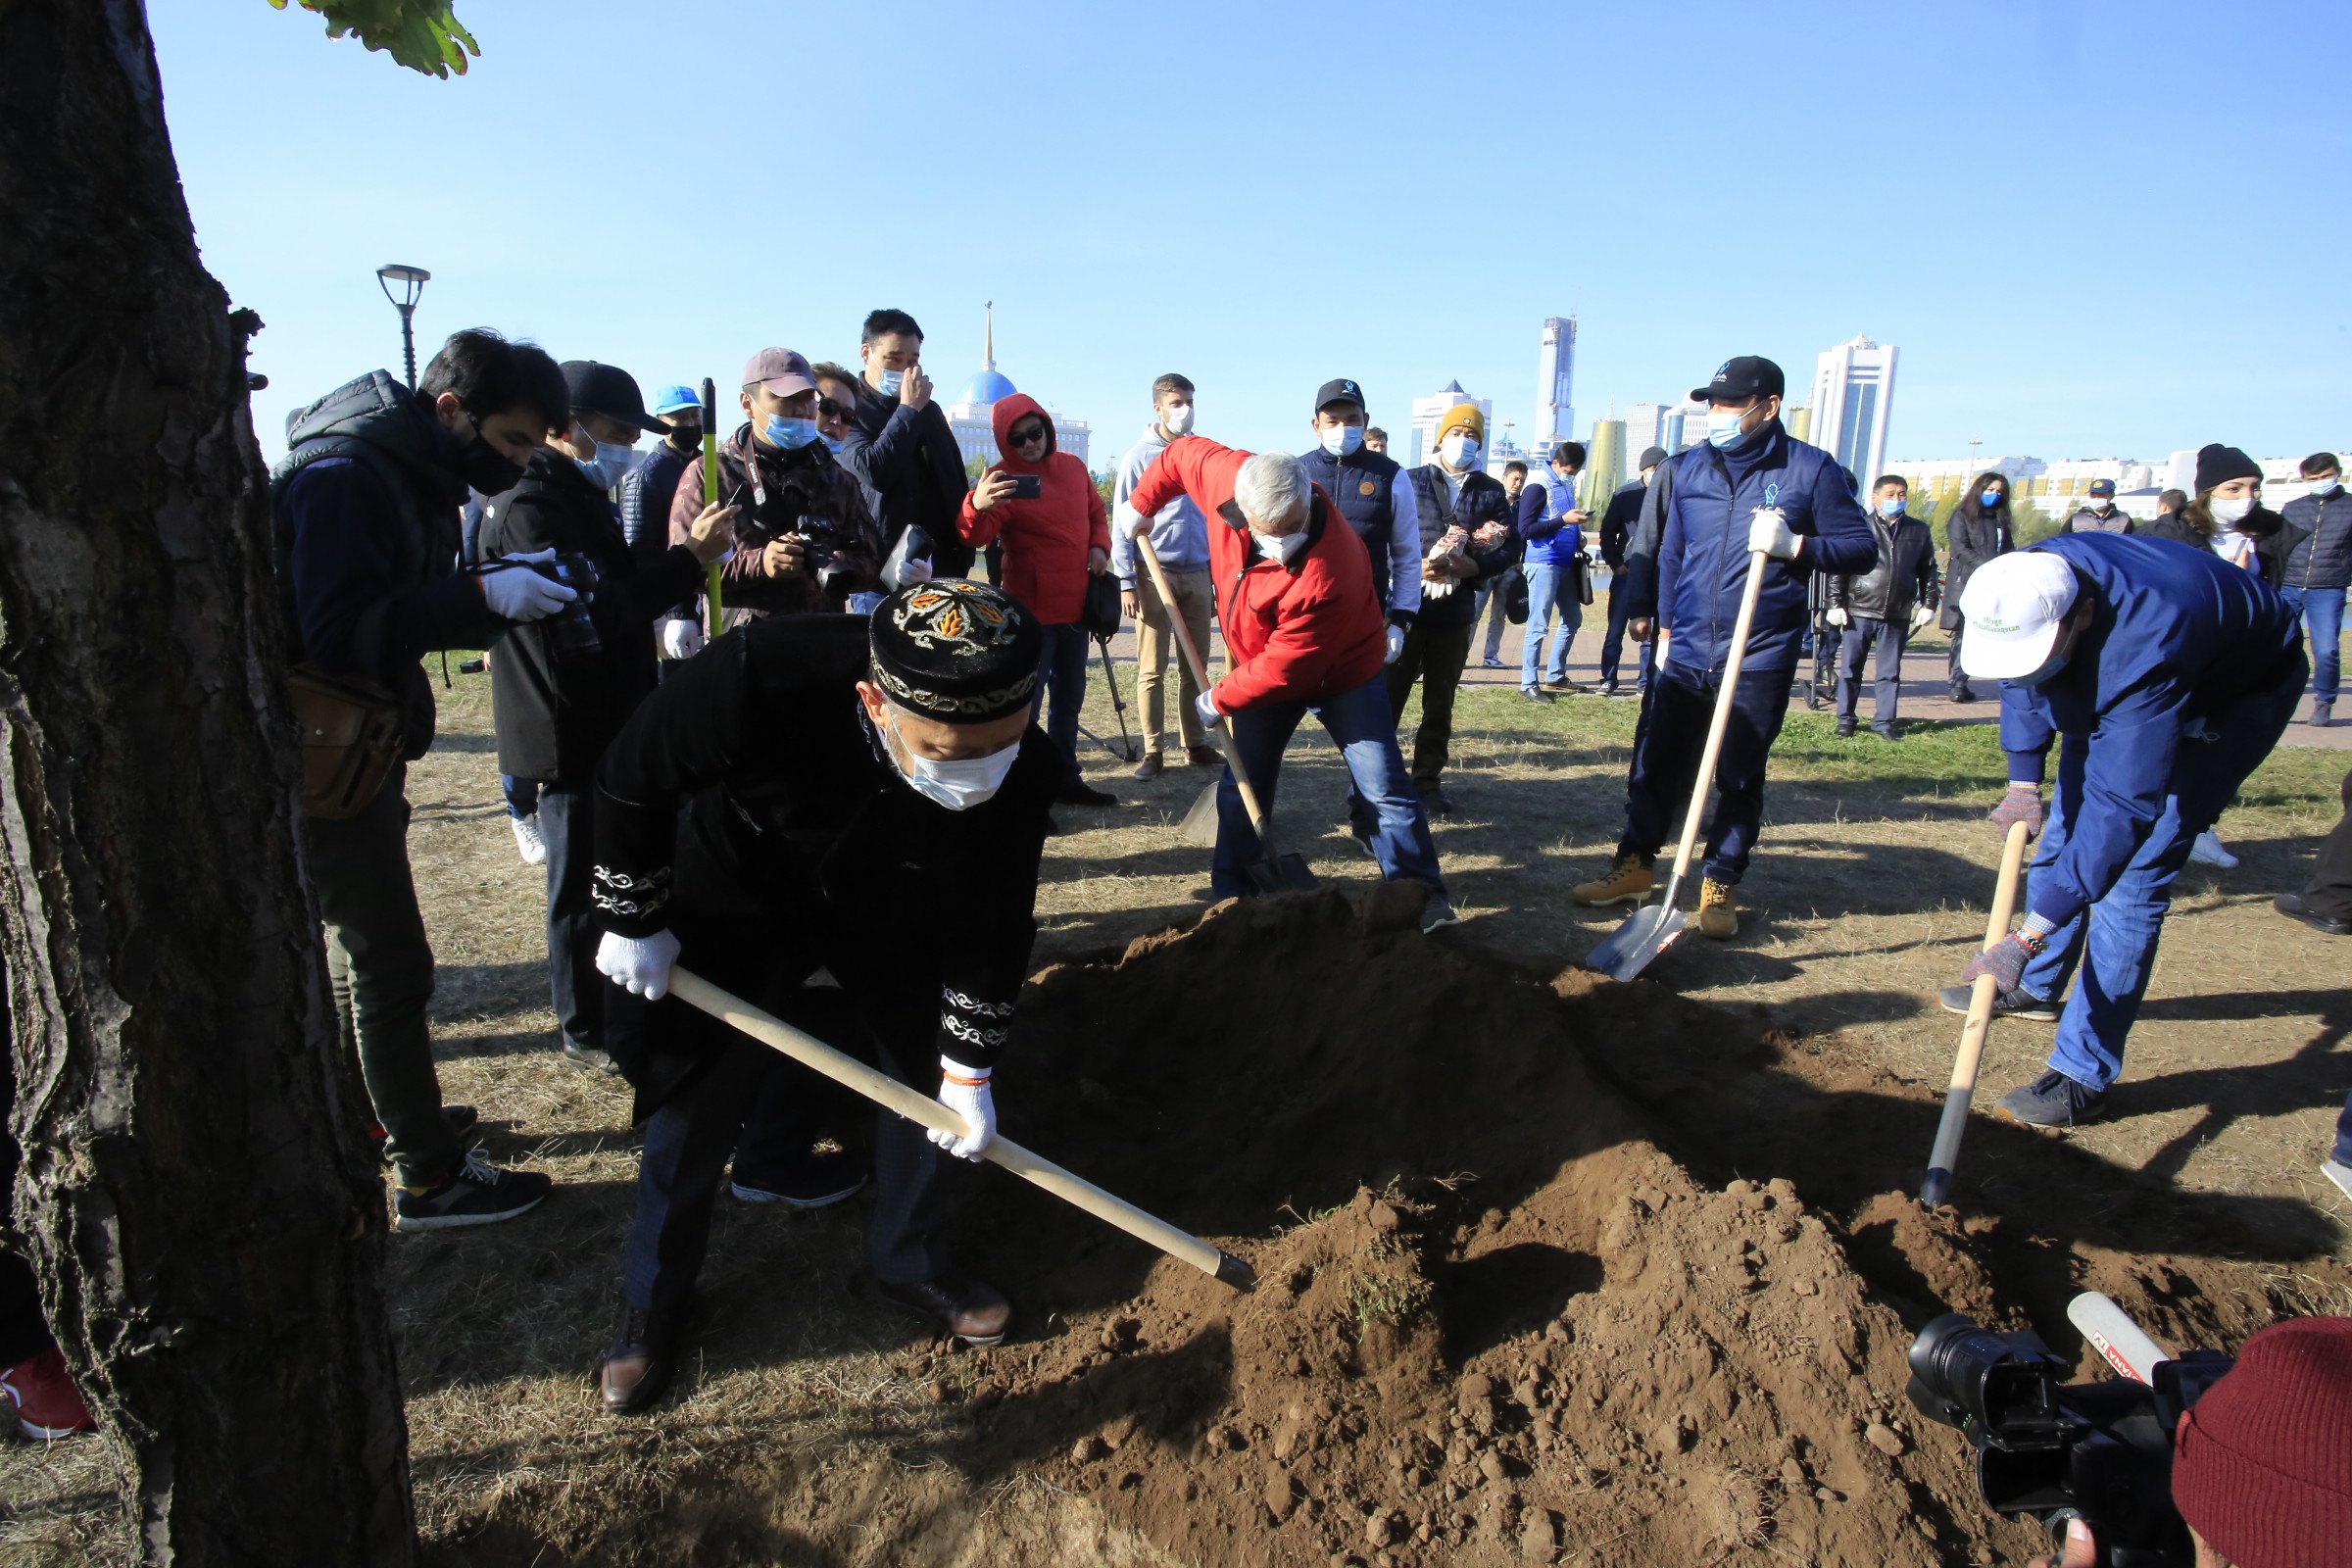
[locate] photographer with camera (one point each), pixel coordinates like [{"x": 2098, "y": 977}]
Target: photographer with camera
[
  {"x": 562, "y": 688},
  {"x": 805, "y": 539}
]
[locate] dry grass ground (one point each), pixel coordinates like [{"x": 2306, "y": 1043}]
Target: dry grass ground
[{"x": 1867, "y": 894}]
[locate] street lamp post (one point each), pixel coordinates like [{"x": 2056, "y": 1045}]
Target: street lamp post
[{"x": 412, "y": 281}]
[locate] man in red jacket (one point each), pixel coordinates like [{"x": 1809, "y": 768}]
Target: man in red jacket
[
  {"x": 1056, "y": 537},
  {"x": 1303, "y": 631}
]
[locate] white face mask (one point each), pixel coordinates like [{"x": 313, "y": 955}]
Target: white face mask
[
  {"x": 1460, "y": 452},
  {"x": 609, "y": 465},
  {"x": 1342, "y": 440},
  {"x": 2227, "y": 513},
  {"x": 961, "y": 785},
  {"x": 1281, "y": 546},
  {"x": 1179, "y": 421},
  {"x": 2327, "y": 486}
]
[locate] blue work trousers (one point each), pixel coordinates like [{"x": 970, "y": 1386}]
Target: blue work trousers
[
  {"x": 1673, "y": 733},
  {"x": 2114, "y": 940},
  {"x": 1383, "y": 807},
  {"x": 1853, "y": 654},
  {"x": 1612, "y": 645}
]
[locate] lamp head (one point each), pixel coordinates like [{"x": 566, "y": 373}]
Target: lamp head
[{"x": 412, "y": 281}]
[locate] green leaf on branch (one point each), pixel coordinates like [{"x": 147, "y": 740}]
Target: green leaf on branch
[{"x": 420, "y": 34}]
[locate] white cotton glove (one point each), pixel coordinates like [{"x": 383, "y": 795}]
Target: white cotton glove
[
  {"x": 520, "y": 594},
  {"x": 1133, "y": 522},
  {"x": 639, "y": 965},
  {"x": 1395, "y": 645},
  {"x": 965, "y": 1092},
  {"x": 1768, "y": 531},
  {"x": 1837, "y": 616},
  {"x": 682, "y": 638},
  {"x": 1920, "y": 614},
  {"x": 1207, "y": 706},
  {"x": 912, "y": 570}
]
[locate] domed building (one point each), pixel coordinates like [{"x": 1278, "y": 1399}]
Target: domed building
[{"x": 971, "y": 419}]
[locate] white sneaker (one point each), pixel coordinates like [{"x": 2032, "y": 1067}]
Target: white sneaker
[
  {"x": 528, "y": 842},
  {"x": 2208, "y": 850}
]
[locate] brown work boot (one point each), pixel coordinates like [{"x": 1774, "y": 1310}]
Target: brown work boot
[
  {"x": 1718, "y": 917},
  {"x": 973, "y": 1312},
  {"x": 1204, "y": 756},
  {"x": 1629, "y": 882}
]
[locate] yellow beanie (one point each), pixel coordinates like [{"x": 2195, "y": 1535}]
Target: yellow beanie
[{"x": 1464, "y": 416}]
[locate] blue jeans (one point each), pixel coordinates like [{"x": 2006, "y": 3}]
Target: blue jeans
[
  {"x": 2114, "y": 940},
  {"x": 2323, "y": 629},
  {"x": 1382, "y": 808},
  {"x": 523, "y": 795},
  {"x": 1061, "y": 670},
  {"x": 1667, "y": 745},
  {"x": 1546, "y": 584},
  {"x": 1853, "y": 653}
]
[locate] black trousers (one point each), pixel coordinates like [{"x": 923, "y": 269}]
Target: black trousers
[
  {"x": 1866, "y": 634},
  {"x": 567, "y": 826},
  {"x": 2330, "y": 890},
  {"x": 1666, "y": 750},
  {"x": 1612, "y": 645},
  {"x": 1434, "y": 656}
]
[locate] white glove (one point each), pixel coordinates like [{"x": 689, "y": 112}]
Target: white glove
[
  {"x": 913, "y": 569},
  {"x": 1837, "y": 616},
  {"x": 1395, "y": 645},
  {"x": 1133, "y": 522},
  {"x": 1207, "y": 706},
  {"x": 682, "y": 638},
  {"x": 1920, "y": 614},
  {"x": 1768, "y": 531},
  {"x": 518, "y": 593},
  {"x": 639, "y": 965},
  {"x": 965, "y": 1092}
]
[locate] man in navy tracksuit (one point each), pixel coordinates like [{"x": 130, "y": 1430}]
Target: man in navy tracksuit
[
  {"x": 1752, "y": 487},
  {"x": 2166, "y": 676}
]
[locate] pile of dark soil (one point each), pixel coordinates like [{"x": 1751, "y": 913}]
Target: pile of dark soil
[{"x": 1566, "y": 1273}]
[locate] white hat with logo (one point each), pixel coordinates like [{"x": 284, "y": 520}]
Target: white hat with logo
[{"x": 2015, "y": 605}]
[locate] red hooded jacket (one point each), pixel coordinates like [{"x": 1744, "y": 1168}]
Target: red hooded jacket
[
  {"x": 1046, "y": 540},
  {"x": 1293, "y": 633}
]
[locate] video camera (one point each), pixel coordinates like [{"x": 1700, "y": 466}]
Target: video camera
[
  {"x": 819, "y": 535},
  {"x": 2098, "y": 1452}
]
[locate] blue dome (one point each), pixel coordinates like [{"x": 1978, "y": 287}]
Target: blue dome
[{"x": 989, "y": 387}]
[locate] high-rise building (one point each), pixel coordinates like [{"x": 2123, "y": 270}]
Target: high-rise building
[
  {"x": 1685, "y": 428},
  {"x": 972, "y": 420},
  {"x": 1645, "y": 427},
  {"x": 1428, "y": 410},
  {"x": 1604, "y": 464},
  {"x": 1854, "y": 395},
  {"x": 1555, "y": 375},
  {"x": 1798, "y": 422}
]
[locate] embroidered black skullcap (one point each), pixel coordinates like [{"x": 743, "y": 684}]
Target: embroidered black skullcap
[{"x": 958, "y": 651}]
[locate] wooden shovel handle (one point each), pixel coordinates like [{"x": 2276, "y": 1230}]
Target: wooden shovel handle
[
  {"x": 1944, "y": 1158},
  {"x": 1199, "y": 668},
  {"x": 1722, "y": 711}
]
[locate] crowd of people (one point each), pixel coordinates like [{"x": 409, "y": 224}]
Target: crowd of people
[{"x": 757, "y": 717}]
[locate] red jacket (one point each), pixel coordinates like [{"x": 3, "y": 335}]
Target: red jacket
[
  {"x": 1046, "y": 540},
  {"x": 1294, "y": 633}
]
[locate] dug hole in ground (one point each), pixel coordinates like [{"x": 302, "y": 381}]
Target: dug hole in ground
[{"x": 1550, "y": 1272}]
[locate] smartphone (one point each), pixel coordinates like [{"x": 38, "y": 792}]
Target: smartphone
[{"x": 1028, "y": 486}]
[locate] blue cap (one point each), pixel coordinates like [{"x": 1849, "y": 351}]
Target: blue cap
[{"x": 676, "y": 400}]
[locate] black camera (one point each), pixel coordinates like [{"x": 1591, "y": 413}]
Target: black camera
[
  {"x": 571, "y": 631},
  {"x": 819, "y": 535},
  {"x": 2098, "y": 1452}
]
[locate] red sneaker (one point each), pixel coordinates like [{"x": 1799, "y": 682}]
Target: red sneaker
[{"x": 48, "y": 1405}]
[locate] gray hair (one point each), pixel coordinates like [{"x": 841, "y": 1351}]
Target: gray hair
[{"x": 1272, "y": 490}]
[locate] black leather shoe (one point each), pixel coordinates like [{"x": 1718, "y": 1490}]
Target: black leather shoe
[
  {"x": 973, "y": 1312},
  {"x": 2292, "y": 905},
  {"x": 1080, "y": 793},
  {"x": 639, "y": 1360}
]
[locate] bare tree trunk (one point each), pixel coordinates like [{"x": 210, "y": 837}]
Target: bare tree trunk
[{"x": 196, "y": 1194}]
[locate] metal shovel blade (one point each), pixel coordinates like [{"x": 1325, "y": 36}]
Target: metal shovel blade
[
  {"x": 1281, "y": 873},
  {"x": 1648, "y": 932},
  {"x": 1200, "y": 822}
]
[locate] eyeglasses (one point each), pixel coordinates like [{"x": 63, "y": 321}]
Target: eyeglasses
[
  {"x": 1031, "y": 435},
  {"x": 832, "y": 410}
]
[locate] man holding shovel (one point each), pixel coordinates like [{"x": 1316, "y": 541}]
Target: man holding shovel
[
  {"x": 863, "y": 796},
  {"x": 1303, "y": 632},
  {"x": 1751, "y": 491}
]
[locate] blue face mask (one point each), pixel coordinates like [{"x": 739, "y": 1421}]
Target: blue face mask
[
  {"x": 833, "y": 445},
  {"x": 1723, "y": 428},
  {"x": 1344, "y": 441},
  {"x": 790, "y": 434},
  {"x": 1990, "y": 500},
  {"x": 1893, "y": 507},
  {"x": 892, "y": 381}
]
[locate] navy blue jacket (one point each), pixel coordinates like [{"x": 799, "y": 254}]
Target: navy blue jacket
[
  {"x": 2180, "y": 635},
  {"x": 1362, "y": 485},
  {"x": 1703, "y": 550},
  {"x": 2320, "y": 531},
  {"x": 906, "y": 462}
]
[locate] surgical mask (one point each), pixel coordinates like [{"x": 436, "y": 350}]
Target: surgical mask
[
  {"x": 1893, "y": 507},
  {"x": 892, "y": 381},
  {"x": 1341, "y": 441},
  {"x": 1281, "y": 547},
  {"x": 1460, "y": 451},
  {"x": 833, "y": 445},
  {"x": 790, "y": 434},
  {"x": 2327, "y": 486},
  {"x": 609, "y": 465},
  {"x": 2229, "y": 511},
  {"x": 1179, "y": 421},
  {"x": 959, "y": 785},
  {"x": 1723, "y": 427}
]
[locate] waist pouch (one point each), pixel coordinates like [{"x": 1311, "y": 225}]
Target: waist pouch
[{"x": 350, "y": 737}]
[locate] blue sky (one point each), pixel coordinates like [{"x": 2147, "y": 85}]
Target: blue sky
[{"x": 2093, "y": 229}]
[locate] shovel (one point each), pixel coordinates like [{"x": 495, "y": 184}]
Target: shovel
[
  {"x": 1651, "y": 929},
  {"x": 1946, "y": 1153},
  {"x": 1275, "y": 872},
  {"x": 891, "y": 1095},
  {"x": 713, "y": 624}
]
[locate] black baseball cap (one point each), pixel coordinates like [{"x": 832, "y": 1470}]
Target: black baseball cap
[
  {"x": 609, "y": 390},
  {"x": 1342, "y": 390},
  {"x": 1749, "y": 375}
]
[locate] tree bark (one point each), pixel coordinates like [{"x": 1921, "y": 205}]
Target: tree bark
[{"x": 196, "y": 1194}]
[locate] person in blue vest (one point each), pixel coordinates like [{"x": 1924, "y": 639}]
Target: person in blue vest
[
  {"x": 2165, "y": 676},
  {"x": 1752, "y": 487},
  {"x": 1553, "y": 527},
  {"x": 1372, "y": 493}
]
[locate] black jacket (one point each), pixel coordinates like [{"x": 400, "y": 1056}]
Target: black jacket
[
  {"x": 1483, "y": 501},
  {"x": 2084, "y": 520},
  {"x": 2320, "y": 541},
  {"x": 365, "y": 525},
  {"x": 1976, "y": 536},
  {"x": 1904, "y": 574},
  {"x": 2274, "y": 539},
  {"x": 912, "y": 470},
  {"x": 556, "y": 708},
  {"x": 1617, "y": 522},
  {"x": 806, "y": 825}
]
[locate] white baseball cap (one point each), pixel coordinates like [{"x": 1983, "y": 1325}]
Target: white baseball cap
[{"x": 2015, "y": 605}]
